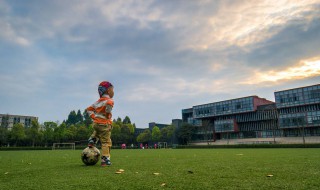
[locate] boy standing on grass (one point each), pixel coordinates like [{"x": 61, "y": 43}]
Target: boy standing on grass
[{"x": 100, "y": 113}]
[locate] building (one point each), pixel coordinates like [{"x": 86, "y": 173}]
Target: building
[
  {"x": 177, "y": 123},
  {"x": 237, "y": 118},
  {"x": 187, "y": 117},
  {"x": 299, "y": 109},
  {"x": 159, "y": 125},
  {"x": 7, "y": 120},
  {"x": 295, "y": 112},
  {"x": 138, "y": 131}
]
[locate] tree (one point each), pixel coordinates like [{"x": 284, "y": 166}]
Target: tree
[
  {"x": 185, "y": 133},
  {"x": 60, "y": 133},
  {"x": 79, "y": 117},
  {"x": 164, "y": 134},
  {"x": 119, "y": 120},
  {"x": 87, "y": 119},
  {"x": 83, "y": 133},
  {"x": 125, "y": 134},
  {"x": 156, "y": 134},
  {"x": 48, "y": 134},
  {"x": 126, "y": 120},
  {"x": 131, "y": 134},
  {"x": 33, "y": 133},
  {"x": 144, "y": 137},
  {"x": 116, "y": 133},
  {"x": 72, "y": 118},
  {"x": 121, "y": 132},
  {"x": 71, "y": 133},
  {"x": 4, "y": 134},
  {"x": 171, "y": 131},
  {"x": 131, "y": 128},
  {"x": 17, "y": 133},
  {"x": 208, "y": 130}
]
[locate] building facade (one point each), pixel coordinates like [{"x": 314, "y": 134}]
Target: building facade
[
  {"x": 138, "y": 131},
  {"x": 299, "y": 111},
  {"x": 295, "y": 112},
  {"x": 159, "y": 125},
  {"x": 7, "y": 120}
]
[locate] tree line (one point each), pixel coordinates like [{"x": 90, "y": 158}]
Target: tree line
[{"x": 78, "y": 127}]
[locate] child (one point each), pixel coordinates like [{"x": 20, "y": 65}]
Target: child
[{"x": 100, "y": 112}]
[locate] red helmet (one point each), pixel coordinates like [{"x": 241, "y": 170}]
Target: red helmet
[{"x": 103, "y": 87}]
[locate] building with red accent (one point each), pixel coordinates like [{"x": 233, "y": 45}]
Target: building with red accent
[{"x": 295, "y": 112}]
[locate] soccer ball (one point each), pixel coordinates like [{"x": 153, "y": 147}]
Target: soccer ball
[{"x": 90, "y": 156}]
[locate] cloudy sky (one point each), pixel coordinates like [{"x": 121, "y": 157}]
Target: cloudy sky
[{"x": 161, "y": 56}]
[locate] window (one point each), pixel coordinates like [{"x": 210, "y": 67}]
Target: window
[
  {"x": 238, "y": 105},
  {"x": 314, "y": 94},
  {"x": 16, "y": 120},
  {"x": 27, "y": 122},
  {"x": 225, "y": 108}
]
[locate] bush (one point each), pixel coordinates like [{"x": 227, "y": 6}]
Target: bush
[
  {"x": 24, "y": 148},
  {"x": 252, "y": 146},
  {"x": 47, "y": 148}
]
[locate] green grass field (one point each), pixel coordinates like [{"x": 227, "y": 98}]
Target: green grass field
[{"x": 177, "y": 168}]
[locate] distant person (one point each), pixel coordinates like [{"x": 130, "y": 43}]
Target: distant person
[
  {"x": 123, "y": 146},
  {"x": 141, "y": 146},
  {"x": 100, "y": 112},
  {"x": 155, "y": 146}
]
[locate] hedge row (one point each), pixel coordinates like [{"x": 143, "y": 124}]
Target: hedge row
[
  {"x": 251, "y": 146},
  {"x": 25, "y": 148},
  {"x": 47, "y": 148},
  {"x": 184, "y": 146}
]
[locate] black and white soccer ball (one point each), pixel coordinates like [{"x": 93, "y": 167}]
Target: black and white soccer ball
[{"x": 90, "y": 156}]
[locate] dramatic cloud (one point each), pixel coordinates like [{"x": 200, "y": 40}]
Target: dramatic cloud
[{"x": 305, "y": 69}]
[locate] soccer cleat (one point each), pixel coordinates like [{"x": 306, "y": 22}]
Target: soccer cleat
[
  {"x": 105, "y": 161},
  {"x": 91, "y": 142}
]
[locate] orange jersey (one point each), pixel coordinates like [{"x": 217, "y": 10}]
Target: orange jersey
[{"x": 100, "y": 111}]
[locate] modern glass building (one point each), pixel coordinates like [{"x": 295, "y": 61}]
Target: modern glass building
[
  {"x": 187, "y": 117},
  {"x": 299, "y": 111},
  {"x": 237, "y": 118},
  {"x": 295, "y": 111}
]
